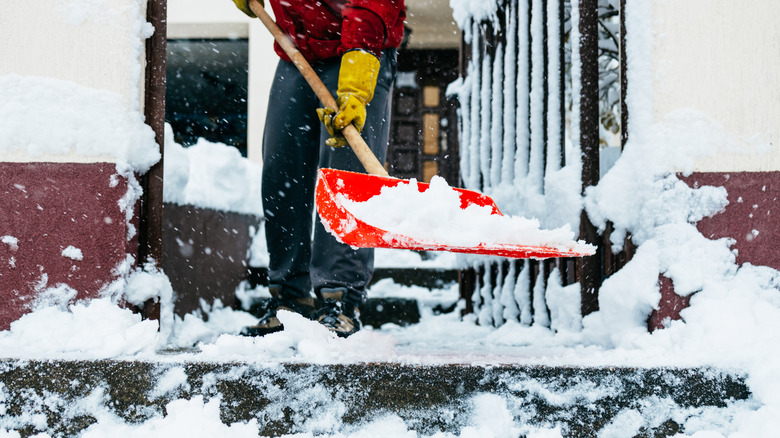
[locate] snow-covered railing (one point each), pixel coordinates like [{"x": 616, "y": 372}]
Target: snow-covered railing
[{"x": 529, "y": 137}]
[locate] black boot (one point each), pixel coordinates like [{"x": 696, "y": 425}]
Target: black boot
[
  {"x": 340, "y": 317},
  {"x": 269, "y": 323}
]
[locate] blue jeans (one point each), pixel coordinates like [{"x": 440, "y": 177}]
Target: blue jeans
[{"x": 293, "y": 149}]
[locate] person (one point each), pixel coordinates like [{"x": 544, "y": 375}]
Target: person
[{"x": 351, "y": 44}]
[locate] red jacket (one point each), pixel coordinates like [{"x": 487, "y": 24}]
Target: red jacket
[{"x": 323, "y": 29}]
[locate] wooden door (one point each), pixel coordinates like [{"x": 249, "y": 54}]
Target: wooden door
[{"x": 423, "y": 134}]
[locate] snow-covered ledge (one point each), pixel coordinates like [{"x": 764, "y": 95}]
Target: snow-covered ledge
[
  {"x": 72, "y": 140},
  {"x": 706, "y": 108},
  {"x": 723, "y": 87}
]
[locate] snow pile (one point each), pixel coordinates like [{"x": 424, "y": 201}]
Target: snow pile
[
  {"x": 425, "y": 298},
  {"x": 192, "y": 418},
  {"x": 81, "y": 121},
  {"x": 211, "y": 175},
  {"x": 73, "y": 253},
  {"x": 150, "y": 283},
  {"x": 194, "y": 329},
  {"x": 465, "y": 10},
  {"x": 435, "y": 215},
  {"x": 489, "y": 417},
  {"x": 400, "y": 258},
  {"x": 96, "y": 329},
  {"x": 305, "y": 340}
]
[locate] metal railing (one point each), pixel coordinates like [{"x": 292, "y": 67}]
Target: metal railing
[{"x": 530, "y": 82}]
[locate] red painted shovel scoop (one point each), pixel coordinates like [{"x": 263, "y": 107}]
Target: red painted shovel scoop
[
  {"x": 336, "y": 186},
  {"x": 358, "y": 187}
]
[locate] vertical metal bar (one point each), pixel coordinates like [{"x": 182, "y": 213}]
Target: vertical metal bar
[
  {"x": 562, "y": 76},
  {"x": 589, "y": 267},
  {"x": 467, "y": 281},
  {"x": 545, "y": 81},
  {"x": 464, "y": 55},
  {"x": 623, "y": 77},
  {"x": 150, "y": 226}
]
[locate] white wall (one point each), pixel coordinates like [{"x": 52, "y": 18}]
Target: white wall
[
  {"x": 46, "y": 38},
  {"x": 221, "y": 19},
  {"x": 96, "y": 47},
  {"x": 722, "y": 57},
  {"x": 432, "y": 25}
]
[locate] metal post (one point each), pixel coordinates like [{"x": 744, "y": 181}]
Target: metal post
[
  {"x": 562, "y": 77},
  {"x": 589, "y": 267},
  {"x": 623, "y": 77},
  {"x": 150, "y": 226}
]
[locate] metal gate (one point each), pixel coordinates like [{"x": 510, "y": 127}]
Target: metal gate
[{"x": 530, "y": 86}]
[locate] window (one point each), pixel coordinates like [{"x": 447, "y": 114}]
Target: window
[{"x": 207, "y": 90}]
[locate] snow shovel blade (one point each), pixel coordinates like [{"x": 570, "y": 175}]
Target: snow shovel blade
[{"x": 359, "y": 187}]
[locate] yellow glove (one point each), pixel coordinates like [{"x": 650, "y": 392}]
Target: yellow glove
[
  {"x": 357, "y": 81},
  {"x": 244, "y": 6}
]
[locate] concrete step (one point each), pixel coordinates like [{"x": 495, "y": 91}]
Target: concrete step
[{"x": 288, "y": 397}]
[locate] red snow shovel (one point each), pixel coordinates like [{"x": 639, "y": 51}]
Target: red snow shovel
[{"x": 359, "y": 187}]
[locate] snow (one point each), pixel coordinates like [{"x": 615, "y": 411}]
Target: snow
[
  {"x": 211, "y": 175},
  {"x": 471, "y": 178},
  {"x": 105, "y": 126},
  {"x": 486, "y": 121},
  {"x": 497, "y": 116},
  {"x": 11, "y": 241},
  {"x": 534, "y": 179},
  {"x": 436, "y": 215},
  {"x": 96, "y": 329},
  {"x": 73, "y": 253},
  {"x": 523, "y": 99},
  {"x": 733, "y": 322},
  {"x": 193, "y": 418},
  {"x": 463, "y": 11},
  {"x": 554, "y": 110}
]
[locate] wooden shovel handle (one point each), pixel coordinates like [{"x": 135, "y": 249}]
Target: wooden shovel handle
[{"x": 356, "y": 142}]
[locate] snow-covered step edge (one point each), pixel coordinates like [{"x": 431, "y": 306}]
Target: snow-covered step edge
[{"x": 293, "y": 397}]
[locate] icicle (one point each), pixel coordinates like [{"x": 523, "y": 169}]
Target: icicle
[
  {"x": 498, "y": 307},
  {"x": 485, "y": 118},
  {"x": 523, "y": 294},
  {"x": 522, "y": 126},
  {"x": 554, "y": 110},
  {"x": 510, "y": 95},
  {"x": 473, "y": 181},
  {"x": 511, "y": 311},
  {"x": 536, "y": 155},
  {"x": 541, "y": 317},
  {"x": 485, "y": 315},
  {"x": 496, "y": 128}
]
